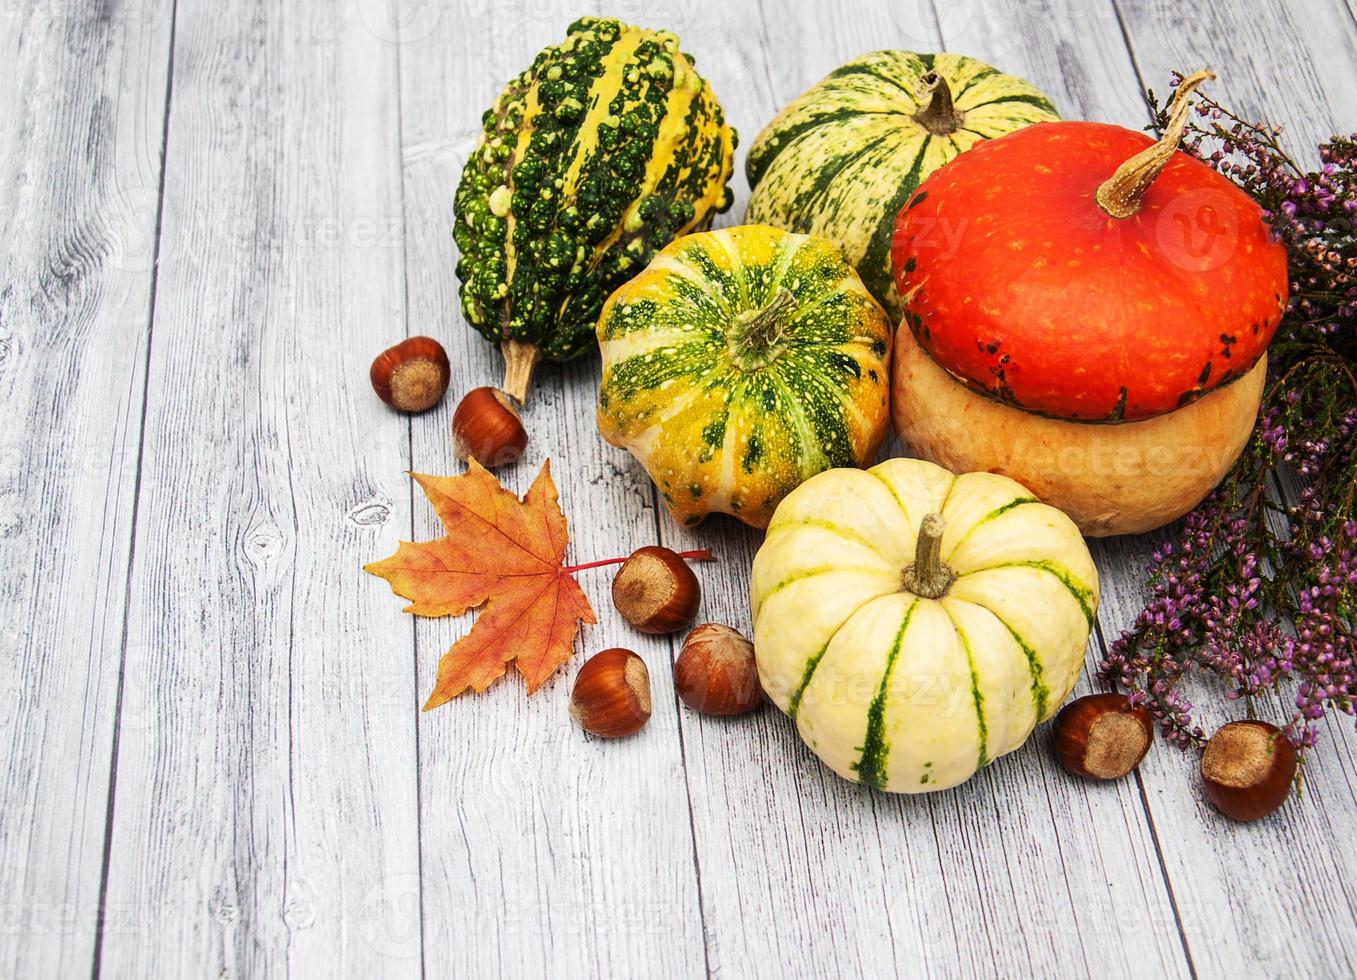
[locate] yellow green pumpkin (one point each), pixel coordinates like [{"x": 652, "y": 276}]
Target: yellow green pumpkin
[{"x": 740, "y": 363}]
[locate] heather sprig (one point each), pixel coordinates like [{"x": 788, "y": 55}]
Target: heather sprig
[{"x": 1265, "y": 598}]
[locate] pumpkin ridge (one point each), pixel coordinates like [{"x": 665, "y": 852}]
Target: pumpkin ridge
[
  {"x": 794, "y": 704},
  {"x": 827, "y": 431},
  {"x": 645, "y": 372},
  {"x": 639, "y": 343},
  {"x": 523, "y": 279},
  {"x": 531, "y": 108},
  {"x": 1040, "y": 692},
  {"x": 805, "y": 200},
  {"x": 875, "y": 267},
  {"x": 584, "y": 136},
  {"x": 832, "y": 293},
  {"x": 799, "y": 424},
  {"x": 896, "y": 497},
  {"x": 982, "y": 727},
  {"x": 996, "y": 512},
  {"x": 871, "y": 764},
  {"x": 1082, "y": 594},
  {"x": 862, "y": 67},
  {"x": 889, "y": 488},
  {"x": 839, "y": 530},
  {"x": 757, "y": 164},
  {"x": 1033, "y": 100},
  {"x": 787, "y": 252},
  {"x": 806, "y": 573},
  {"x": 942, "y": 505},
  {"x": 989, "y": 71}
]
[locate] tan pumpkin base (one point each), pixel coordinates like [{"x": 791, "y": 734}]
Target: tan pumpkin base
[{"x": 1111, "y": 479}]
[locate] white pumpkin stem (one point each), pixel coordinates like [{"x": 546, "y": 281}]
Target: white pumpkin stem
[
  {"x": 929, "y": 576},
  {"x": 1120, "y": 195},
  {"x": 519, "y": 361},
  {"x": 939, "y": 115}
]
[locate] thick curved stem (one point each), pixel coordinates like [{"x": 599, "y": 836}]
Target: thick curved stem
[
  {"x": 1120, "y": 194},
  {"x": 939, "y": 115},
  {"x": 928, "y": 576},
  {"x": 519, "y": 361}
]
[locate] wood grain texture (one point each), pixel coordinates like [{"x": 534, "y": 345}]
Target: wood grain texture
[
  {"x": 278, "y": 804},
  {"x": 1228, "y": 878},
  {"x": 755, "y": 824},
  {"x": 559, "y": 853},
  {"x": 79, "y": 177},
  {"x": 265, "y": 816}
]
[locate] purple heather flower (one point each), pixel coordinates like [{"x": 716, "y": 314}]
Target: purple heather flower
[{"x": 1258, "y": 606}]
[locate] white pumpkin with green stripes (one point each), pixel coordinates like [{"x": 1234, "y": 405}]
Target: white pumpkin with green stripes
[
  {"x": 918, "y": 625},
  {"x": 842, "y": 158}
]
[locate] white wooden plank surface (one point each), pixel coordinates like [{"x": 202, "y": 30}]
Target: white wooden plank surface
[
  {"x": 928, "y": 893},
  {"x": 279, "y": 804},
  {"x": 265, "y": 816},
  {"x": 81, "y": 115},
  {"x": 1228, "y": 878},
  {"x": 575, "y": 854}
]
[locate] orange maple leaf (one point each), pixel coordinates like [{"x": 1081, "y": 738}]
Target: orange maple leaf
[{"x": 505, "y": 553}]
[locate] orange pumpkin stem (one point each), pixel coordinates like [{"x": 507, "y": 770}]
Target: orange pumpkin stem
[{"x": 1120, "y": 194}]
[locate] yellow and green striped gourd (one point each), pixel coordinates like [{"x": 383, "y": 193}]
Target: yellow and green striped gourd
[
  {"x": 842, "y": 158},
  {"x": 917, "y": 625},
  {"x": 740, "y": 363},
  {"x": 608, "y": 146}
]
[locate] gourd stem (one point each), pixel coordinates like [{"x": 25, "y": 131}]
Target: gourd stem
[
  {"x": 765, "y": 327},
  {"x": 928, "y": 576},
  {"x": 939, "y": 116},
  {"x": 752, "y": 343},
  {"x": 1120, "y": 195},
  {"x": 519, "y": 361}
]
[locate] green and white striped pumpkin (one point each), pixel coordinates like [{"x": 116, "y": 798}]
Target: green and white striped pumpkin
[
  {"x": 918, "y": 625},
  {"x": 739, "y": 363},
  {"x": 842, "y": 158}
]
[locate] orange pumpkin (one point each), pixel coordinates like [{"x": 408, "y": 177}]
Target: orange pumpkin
[{"x": 1089, "y": 312}]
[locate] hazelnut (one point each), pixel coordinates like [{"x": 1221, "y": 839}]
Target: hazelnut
[
  {"x": 1101, "y": 736},
  {"x": 1247, "y": 767},
  {"x": 412, "y": 376},
  {"x": 656, "y": 591},
  {"x": 611, "y": 697},
  {"x": 486, "y": 426},
  {"x": 715, "y": 672}
]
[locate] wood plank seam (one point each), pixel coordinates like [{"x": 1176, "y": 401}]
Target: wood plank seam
[
  {"x": 410, "y": 489},
  {"x": 673, "y": 644},
  {"x": 107, "y": 854},
  {"x": 1223, "y": 24},
  {"x": 1099, "y": 640}
]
